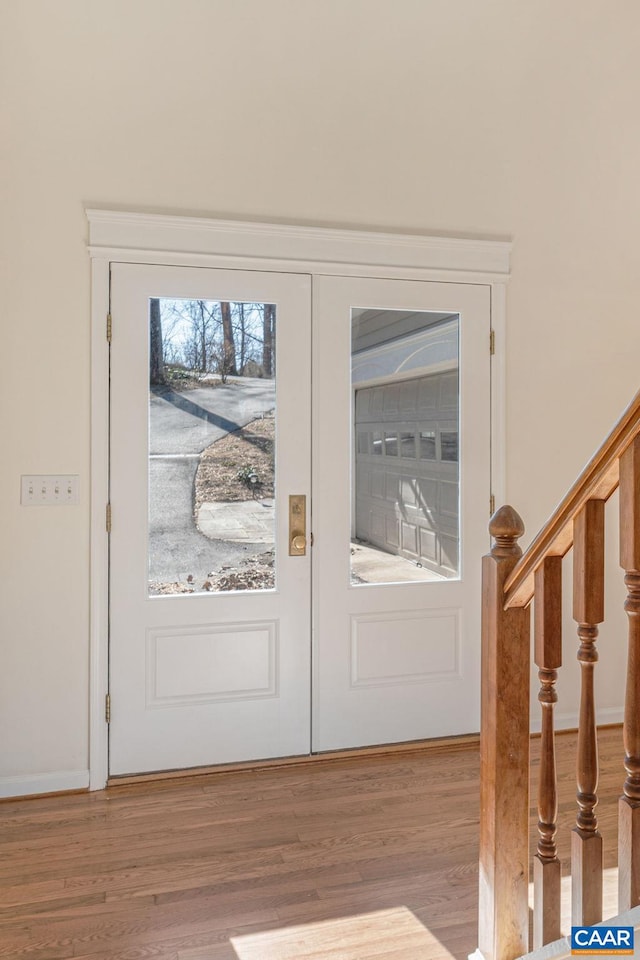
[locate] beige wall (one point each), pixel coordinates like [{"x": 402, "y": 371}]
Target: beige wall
[{"x": 499, "y": 118}]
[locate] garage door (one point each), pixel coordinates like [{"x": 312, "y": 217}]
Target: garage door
[{"x": 407, "y": 469}]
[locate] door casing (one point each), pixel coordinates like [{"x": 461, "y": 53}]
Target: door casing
[{"x": 127, "y": 237}]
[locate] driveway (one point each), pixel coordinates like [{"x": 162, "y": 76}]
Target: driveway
[
  {"x": 181, "y": 426},
  {"x": 188, "y": 421}
]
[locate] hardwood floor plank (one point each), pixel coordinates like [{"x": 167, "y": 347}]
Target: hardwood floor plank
[{"x": 291, "y": 880}]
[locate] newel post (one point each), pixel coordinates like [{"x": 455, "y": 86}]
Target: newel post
[{"x": 504, "y": 752}]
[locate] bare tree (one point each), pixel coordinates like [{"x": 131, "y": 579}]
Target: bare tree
[
  {"x": 203, "y": 325},
  {"x": 228, "y": 344},
  {"x": 156, "y": 358},
  {"x": 243, "y": 337},
  {"x": 191, "y": 324},
  {"x": 225, "y": 337},
  {"x": 268, "y": 331}
]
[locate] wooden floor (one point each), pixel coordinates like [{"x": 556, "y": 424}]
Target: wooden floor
[{"x": 343, "y": 860}]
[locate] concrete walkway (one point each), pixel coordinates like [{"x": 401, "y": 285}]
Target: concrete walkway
[{"x": 245, "y": 521}]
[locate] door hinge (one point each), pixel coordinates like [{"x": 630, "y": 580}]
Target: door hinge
[
  {"x": 492, "y": 505},
  {"x": 492, "y": 342},
  {"x": 108, "y": 518},
  {"x": 107, "y": 708},
  {"x": 109, "y": 328}
]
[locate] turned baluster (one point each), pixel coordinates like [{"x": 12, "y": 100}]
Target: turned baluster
[
  {"x": 629, "y": 806},
  {"x": 504, "y": 752},
  {"x": 548, "y": 657},
  {"x": 588, "y": 611}
]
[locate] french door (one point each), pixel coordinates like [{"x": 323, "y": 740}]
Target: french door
[
  {"x": 209, "y": 605},
  {"x": 234, "y": 633},
  {"x": 401, "y": 506}
]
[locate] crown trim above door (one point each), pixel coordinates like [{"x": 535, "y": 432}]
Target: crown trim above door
[{"x": 151, "y": 237}]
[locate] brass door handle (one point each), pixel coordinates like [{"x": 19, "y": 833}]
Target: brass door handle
[{"x": 297, "y": 525}]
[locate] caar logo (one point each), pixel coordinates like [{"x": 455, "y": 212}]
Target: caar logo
[{"x": 602, "y": 940}]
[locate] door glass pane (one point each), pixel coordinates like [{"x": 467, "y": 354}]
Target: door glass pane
[
  {"x": 212, "y": 403},
  {"x": 427, "y": 445},
  {"x": 407, "y": 444},
  {"x": 449, "y": 445},
  {"x": 363, "y": 441},
  {"x": 391, "y": 444},
  {"x": 406, "y": 483}
]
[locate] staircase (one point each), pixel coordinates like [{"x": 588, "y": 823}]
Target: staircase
[{"x": 514, "y": 583}]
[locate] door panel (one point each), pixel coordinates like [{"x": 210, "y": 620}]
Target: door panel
[
  {"x": 209, "y": 612},
  {"x": 401, "y": 494}
]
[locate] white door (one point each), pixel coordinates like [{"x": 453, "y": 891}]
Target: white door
[
  {"x": 401, "y": 457},
  {"x": 209, "y": 612},
  {"x": 211, "y": 623}
]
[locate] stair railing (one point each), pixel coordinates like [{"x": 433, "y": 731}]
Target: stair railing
[{"x": 511, "y": 581}]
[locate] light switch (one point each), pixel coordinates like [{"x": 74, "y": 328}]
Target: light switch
[{"x": 46, "y": 490}]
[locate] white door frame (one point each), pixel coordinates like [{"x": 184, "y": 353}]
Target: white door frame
[{"x": 151, "y": 238}]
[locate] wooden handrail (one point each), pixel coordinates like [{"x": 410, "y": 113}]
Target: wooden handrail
[{"x": 598, "y": 481}]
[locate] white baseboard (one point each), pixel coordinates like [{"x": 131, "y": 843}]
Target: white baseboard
[
  {"x": 609, "y": 715},
  {"x": 27, "y": 786},
  {"x": 569, "y": 721}
]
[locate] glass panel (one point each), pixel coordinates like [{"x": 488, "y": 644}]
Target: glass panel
[
  {"x": 404, "y": 372},
  {"x": 391, "y": 444},
  {"x": 212, "y": 404},
  {"x": 407, "y": 444},
  {"x": 449, "y": 445},
  {"x": 427, "y": 445}
]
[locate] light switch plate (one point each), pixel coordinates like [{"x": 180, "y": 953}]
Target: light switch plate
[{"x": 46, "y": 490}]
